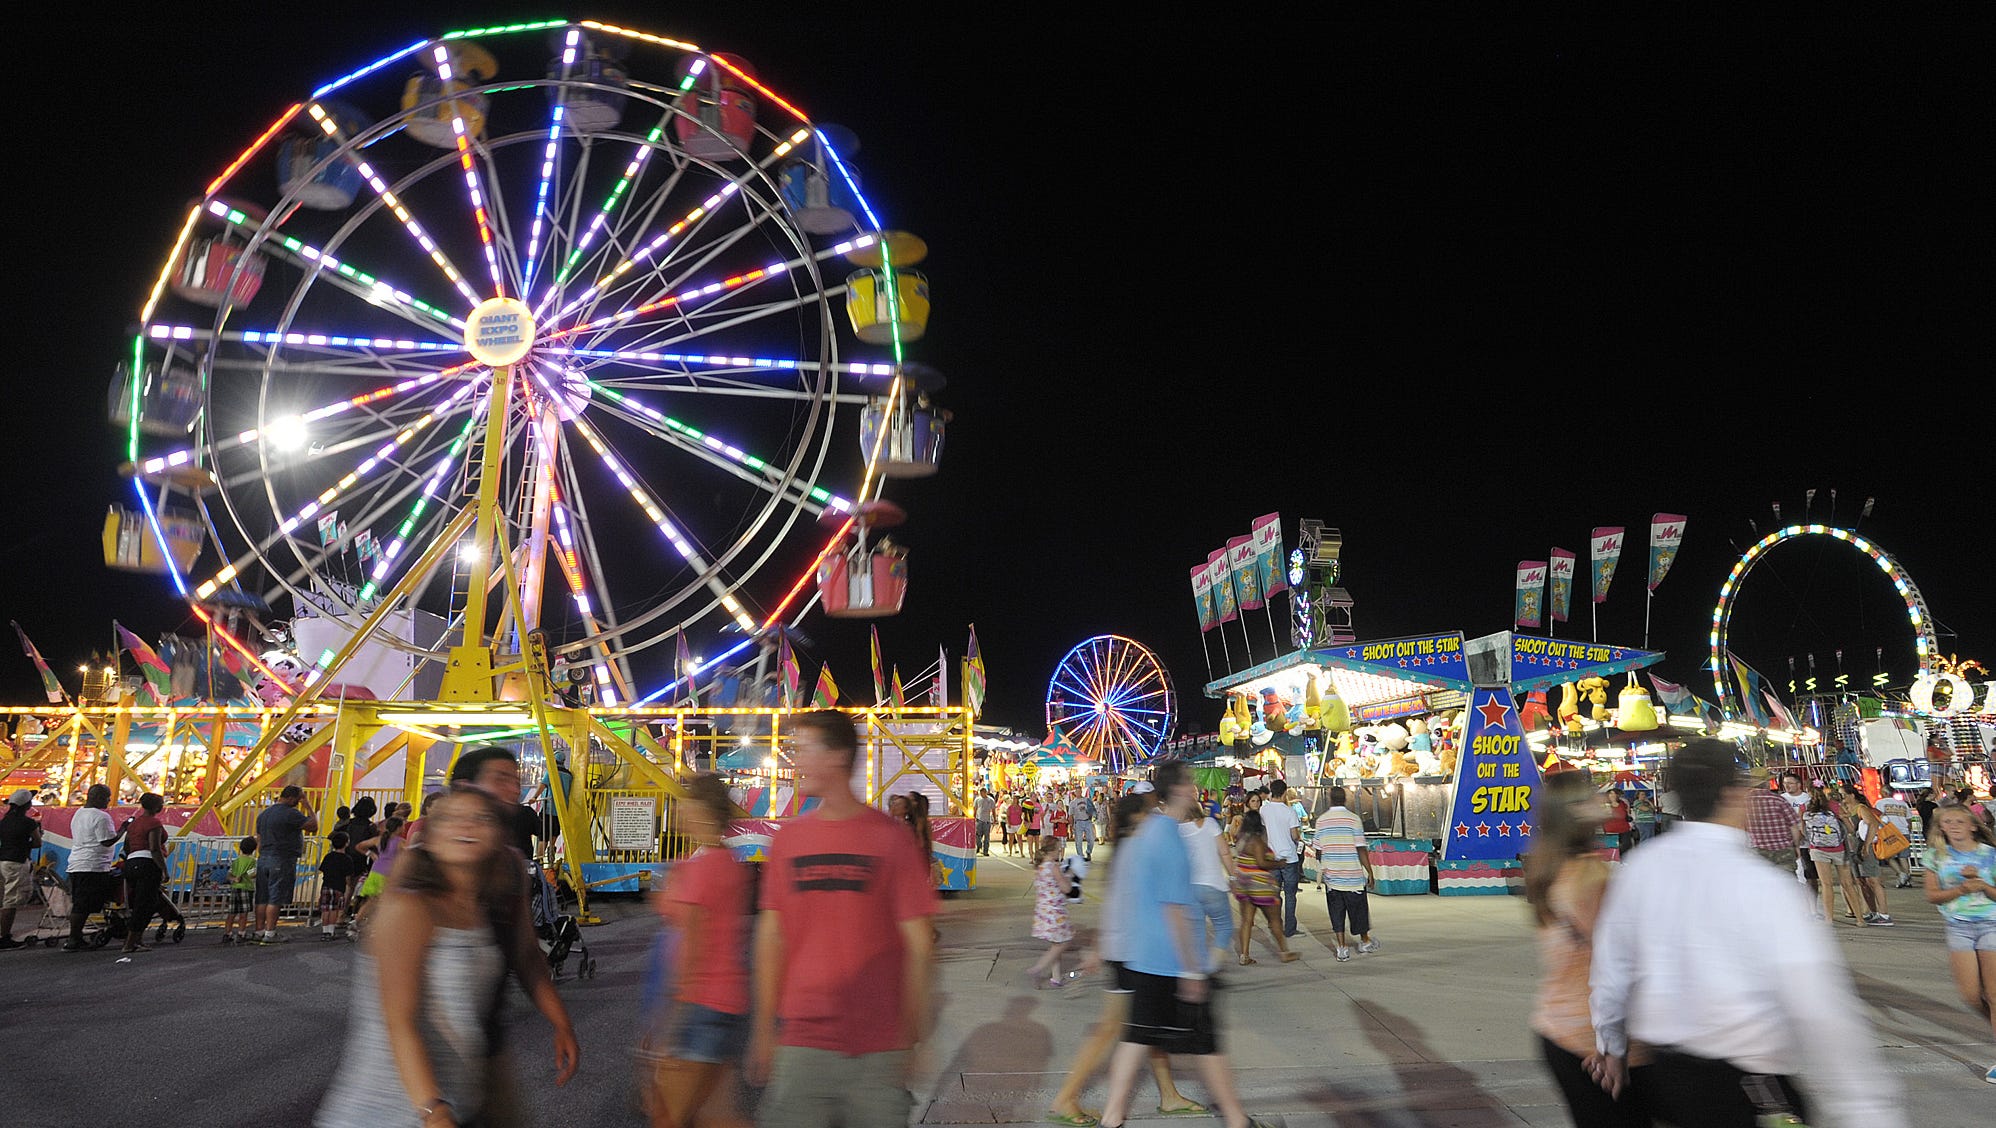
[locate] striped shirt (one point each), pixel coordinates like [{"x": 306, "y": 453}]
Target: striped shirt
[{"x": 1340, "y": 836}]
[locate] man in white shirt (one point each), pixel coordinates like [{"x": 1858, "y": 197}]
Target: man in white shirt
[
  {"x": 1285, "y": 840},
  {"x": 1680, "y": 964},
  {"x": 91, "y": 882},
  {"x": 1797, "y": 796}
]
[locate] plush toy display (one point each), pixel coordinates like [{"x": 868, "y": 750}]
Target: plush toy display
[
  {"x": 1370, "y": 755},
  {"x": 1569, "y": 708},
  {"x": 1635, "y": 712},
  {"x": 1394, "y": 736},
  {"x": 1274, "y": 710},
  {"x": 1534, "y": 714},
  {"x": 1313, "y": 707},
  {"x": 1419, "y": 738}
]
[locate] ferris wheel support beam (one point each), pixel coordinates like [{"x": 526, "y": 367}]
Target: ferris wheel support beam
[{"x": 468, "y": 677}]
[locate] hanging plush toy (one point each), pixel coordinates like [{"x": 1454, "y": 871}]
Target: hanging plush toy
[
  {"x": 1336, "y": 716},
  {"x": 1596, "y": 692},
  {"x": 1635, "y": 712},
  {"x": 1534, "y": 713},
  {"x": 1569, "y": 708},
  {"x": 1274, "y": 710},
  {"x": 1230, "y": 728},
  {"x": 1344, "y": 758},
  {"x": 1313, "y": 707}
]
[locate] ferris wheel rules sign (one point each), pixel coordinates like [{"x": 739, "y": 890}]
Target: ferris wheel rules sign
[
  {"x": 499, "y": 331},
  {"x": 633, "y": 822}
]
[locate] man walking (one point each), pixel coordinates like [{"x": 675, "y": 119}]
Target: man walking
[
  {"x": 1680, "y": 965},
  {"x": 1345, "y": 864},
  {"x": 280, "y": 835},
  {"x": 1285, "y": 841},
  {"x": 92, "y": 885},
  {"x": 1081, "y": 824},
  {"x": 842, "y": 949},
  {"x": 20, "y": 837},
  {"x": 1170, "y": 1000},
  {"x": 1774, "y": 831},
  {"x": 987, "y": 812}
]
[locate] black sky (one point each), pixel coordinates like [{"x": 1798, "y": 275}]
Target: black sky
[{"x": 1462, "y": 290}]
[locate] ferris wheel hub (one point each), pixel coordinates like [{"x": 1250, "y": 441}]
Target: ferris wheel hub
[{"x": 500, "y": 331}]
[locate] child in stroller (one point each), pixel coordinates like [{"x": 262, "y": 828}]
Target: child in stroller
[{"x": 557, "y": 930}]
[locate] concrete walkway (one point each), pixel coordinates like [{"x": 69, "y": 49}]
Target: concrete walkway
[{"x": 1430, "y": 1031}]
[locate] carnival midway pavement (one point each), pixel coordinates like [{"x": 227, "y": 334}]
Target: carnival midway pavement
[{"x": 1429, "y": 1032}]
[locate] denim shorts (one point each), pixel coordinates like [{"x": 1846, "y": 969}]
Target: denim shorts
[
  {"x": 706, "y": 1035},
  {"x": 275, "y": 878},
  {"x": 1970, "y": 935}
]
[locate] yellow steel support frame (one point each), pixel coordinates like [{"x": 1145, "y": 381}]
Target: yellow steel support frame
[{"x": 468, "y": 676}]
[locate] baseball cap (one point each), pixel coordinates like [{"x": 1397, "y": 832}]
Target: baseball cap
[
  {"x": 1143, "y": 787},
  {"x": 22, "y": 798}
]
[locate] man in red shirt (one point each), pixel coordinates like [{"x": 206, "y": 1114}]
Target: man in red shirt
[
  {"x": 842, "y": 949},
  {"x": 1774, "y": 830}
]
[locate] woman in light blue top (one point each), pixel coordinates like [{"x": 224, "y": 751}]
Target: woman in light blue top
[{"x": 1960, "y": 865}]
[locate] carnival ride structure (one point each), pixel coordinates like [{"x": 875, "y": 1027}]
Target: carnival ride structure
[
  {"x": 537, "y": 313},
  {"x": 1113, "y": 700}
]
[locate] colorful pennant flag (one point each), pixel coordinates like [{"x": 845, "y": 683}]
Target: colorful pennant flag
[
  {"x": 329, "y": 528},
  {"x": 879, "y": 674},
  {"x": 1666, "y": 532},
  {"x": 1604, "y": 548},
  {"x": 51, "y": 688},
  {"x": 1779, "y": 711},
  {"x": 1562, "y": 583},
  {"x": 826, "y": 695},
  {"x": 1749, "y": 690},
  {"x": 1226, "y": 609},
  {"x": 1268, "y": 550},
  {"x": 973, "y": 676},
  {"x": 158, "y": 675},
  {"x": 900, "y": 696},
  {"x": 1247, "y": 572},
  {"x": 1202, "y": 597},
  {"x": 1525, "y": 611},
  {"x": 788, "y": 674},
  {"x": 1677, "y": 699}
]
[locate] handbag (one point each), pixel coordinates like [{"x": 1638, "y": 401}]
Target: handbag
[{"x": 1890, "y": 842}]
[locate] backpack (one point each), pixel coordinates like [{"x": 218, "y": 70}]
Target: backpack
[{"x": 1825, "y": 832}]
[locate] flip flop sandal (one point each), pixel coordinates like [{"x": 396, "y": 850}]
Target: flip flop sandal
[
  {"x": 1291, "y": 957},
  {"x": 1193, "y": 1109},
  {"x": 1078, "y": 1120}
]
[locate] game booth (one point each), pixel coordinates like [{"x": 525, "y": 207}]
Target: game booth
[{"x": 1425, "y": 734}]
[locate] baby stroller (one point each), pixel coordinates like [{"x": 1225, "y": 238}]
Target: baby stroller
[
  {"x": 559, "y": 934},
  {"x": 53, "y": 928}
]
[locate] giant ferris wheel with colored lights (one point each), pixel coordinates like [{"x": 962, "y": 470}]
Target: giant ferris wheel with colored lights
[
  {"x": 1113, "y": 700},
  {"x": 581, "y": 324}
]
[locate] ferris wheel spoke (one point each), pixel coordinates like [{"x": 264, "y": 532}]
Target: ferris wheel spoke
[
  {"x": 395, "y": 205},
  {"x": 597, "y": 224},
  {"x": 668, "y": 300},
  {"x": 432, "y": 480},
  {"x": 725, "y": 456},
  {"x": 340, "y": 274},
  {"x": 682, "y": 329},
  {"x": 441, "y": 58},
  {"x": 550, "y": 160},
  {"x": 663, "y": 522},
  {"x": 367, "y": 466}
]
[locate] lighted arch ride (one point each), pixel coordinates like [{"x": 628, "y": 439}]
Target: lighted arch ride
[{"x": 1924, "y": 640}]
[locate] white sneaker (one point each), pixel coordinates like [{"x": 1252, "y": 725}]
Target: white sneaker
[
  {"x": 1369, "y": 947},
  {"x": 1881, "y": 920},
  {"x": 1343, "y": 954}
]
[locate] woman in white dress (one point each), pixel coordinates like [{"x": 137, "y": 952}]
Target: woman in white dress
[{"x": 428, "y": 977}]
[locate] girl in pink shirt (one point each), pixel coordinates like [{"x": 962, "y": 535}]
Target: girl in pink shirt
[{"x": 708, "y": 902}]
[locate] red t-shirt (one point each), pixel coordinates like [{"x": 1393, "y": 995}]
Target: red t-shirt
[
  {"x": 842, "y": 888},
  {"x": 716, "y": 976},
  {"x": 138, "y": 835},
  {"x": 1618, "y": 819}
]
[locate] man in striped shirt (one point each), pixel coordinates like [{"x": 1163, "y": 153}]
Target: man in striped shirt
[{"x": 1345, "y": 865}]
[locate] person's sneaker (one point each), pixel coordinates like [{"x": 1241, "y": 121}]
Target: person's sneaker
[
  {"x": 274, "y": 938},
  {"x": 1871, "y": 918},
  {"x": 1369, "y": 947},
  {"x": 1991, "y": 1075},
  {"x": 73, "y": 946},
  {"x": 1344, "y": 953},
  {"x": 1881, "y": 920},
  {"x": 8, "y": 944}
]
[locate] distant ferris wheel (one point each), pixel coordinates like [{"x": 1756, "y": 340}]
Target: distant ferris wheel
[{"x": 1113, "y": 700}]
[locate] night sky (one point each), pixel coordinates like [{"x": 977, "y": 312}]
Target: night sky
[{"x": 1463, "y": 291}]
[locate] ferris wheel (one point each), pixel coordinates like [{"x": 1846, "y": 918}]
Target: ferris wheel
[
  {"x": 604, "y": 285},
  {"x": 1113, "y": 700}
]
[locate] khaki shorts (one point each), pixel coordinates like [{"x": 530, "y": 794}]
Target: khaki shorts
[
  {"x": 822, "y": 1088},
  {"x": 16, "y": 882}
]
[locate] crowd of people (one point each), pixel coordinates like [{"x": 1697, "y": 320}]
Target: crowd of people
[{"x": 1696, "y": 983}]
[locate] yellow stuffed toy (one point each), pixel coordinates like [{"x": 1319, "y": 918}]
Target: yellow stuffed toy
[
  {"x": 1596, "y": 692},
  {"x": 1635, "y": 712},
  {"x": 1569, "y": 708}
]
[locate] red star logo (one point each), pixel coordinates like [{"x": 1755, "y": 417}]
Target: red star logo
[
  {"x": 1504, "y": 830},
  {"x": 1462, "y": 830},
  {"x": 1482, "y": 830},
  {"x": 1525, "y": 830},
  {"x": 1494, "y": 712}
]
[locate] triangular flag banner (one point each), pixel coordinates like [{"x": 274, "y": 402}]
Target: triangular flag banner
[
  {"x": 900, "y": 697},
  {"x": 1603, "y": 549},
  {"x": 1527, "y": 612},
  {"x": 1749, "y": 690},
  {"x": 1673, "y": 696},
  {"x": 683, "y": 658},
  {"x": 973, "y": 676},
  {"x": 158, "y": 675},
  {"x": 1779, "y": 711},
  {"x": 826, "y": 695},
  {"x": 789, "y": 674},
  {"x": 51, "y": 688},
  {"x": 879, "y": 671},
  {"x": 1666, "y": 532},
  {"x": 939, "y": 692}
]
